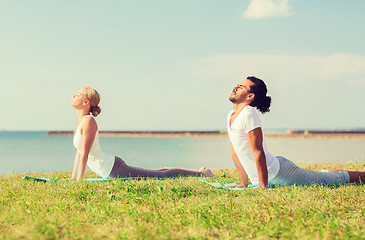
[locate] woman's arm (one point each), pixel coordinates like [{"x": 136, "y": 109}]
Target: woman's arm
[
  {"x": 241, "y": 171},
  {"x": 255, "y": 139},
  {"x": 76, "y": 166},
  {"x": 89, "y": 129}
]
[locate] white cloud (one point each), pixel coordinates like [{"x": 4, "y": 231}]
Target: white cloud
[{"x": 259, "y": 9}]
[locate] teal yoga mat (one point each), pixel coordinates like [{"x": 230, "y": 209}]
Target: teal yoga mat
[
  {"x": 54, "y": 180},
  {"x": 38, "y": 179},
  {"x": 226, "y": 186},
  {"x": 107, "y": 179}
]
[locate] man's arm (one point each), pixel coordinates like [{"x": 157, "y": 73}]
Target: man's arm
[
  {"x": 241, "y": 171},
  {"x": 255, "y": 139}
]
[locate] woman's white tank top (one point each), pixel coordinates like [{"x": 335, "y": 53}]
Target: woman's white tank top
[{"x": 98, "y": 161}]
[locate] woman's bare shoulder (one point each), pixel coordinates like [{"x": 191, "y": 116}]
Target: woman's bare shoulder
[{"x": 90, "y": 124}]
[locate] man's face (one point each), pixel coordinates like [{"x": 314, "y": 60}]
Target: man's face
[{"x": 241, "y": 92}]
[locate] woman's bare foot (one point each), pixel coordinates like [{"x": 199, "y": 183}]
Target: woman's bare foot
[{"x": 206, "y": 172}]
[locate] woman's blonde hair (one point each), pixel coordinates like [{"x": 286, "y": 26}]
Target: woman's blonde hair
[{"x": 93, "y": 96}]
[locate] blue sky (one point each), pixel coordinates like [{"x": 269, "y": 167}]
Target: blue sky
[{"x": 171, "y": 65}]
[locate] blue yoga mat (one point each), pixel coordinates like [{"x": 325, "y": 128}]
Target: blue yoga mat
[
  {"x": 107, "y": 179},
  {"x": 226, "y": 186},
  {"x": 38, "y": 179}
]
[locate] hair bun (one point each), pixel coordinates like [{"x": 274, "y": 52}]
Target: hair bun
[
  {"x": 261, "y": 101},
  {"x": 95, "y": 111},
  {"x": 265, "y": 105}
]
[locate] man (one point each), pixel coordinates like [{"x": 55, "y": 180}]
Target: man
[{"x": 249, "y": 151}]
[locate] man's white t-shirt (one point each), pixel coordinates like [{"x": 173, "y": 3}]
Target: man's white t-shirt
[{"x": 246, "y": 121}]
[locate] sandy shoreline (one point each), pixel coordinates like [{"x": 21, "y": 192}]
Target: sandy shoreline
[{"x": 220, "y": 134}]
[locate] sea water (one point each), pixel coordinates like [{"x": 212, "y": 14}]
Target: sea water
[{"x": 23, "y": 152}]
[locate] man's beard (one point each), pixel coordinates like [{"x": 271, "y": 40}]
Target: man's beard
[{"x": 232, "y": 99}]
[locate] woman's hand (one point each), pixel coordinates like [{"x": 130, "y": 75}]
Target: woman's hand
[{"x": 67, "y": 179}]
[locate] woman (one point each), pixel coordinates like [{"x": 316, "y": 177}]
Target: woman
[
  {"x": 86, "y": 140},
  {"x": 249, "y": 152}
]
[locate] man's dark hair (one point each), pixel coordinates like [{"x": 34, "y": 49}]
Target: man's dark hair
[{"x": 261, "y": 101}]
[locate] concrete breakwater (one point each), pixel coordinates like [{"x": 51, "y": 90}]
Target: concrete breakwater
[
  {"x": 151, "y": 133},
  {"x": 349, "y": 134}
]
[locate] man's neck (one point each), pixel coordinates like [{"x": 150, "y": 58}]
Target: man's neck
[{"x": 237, "y": 107}]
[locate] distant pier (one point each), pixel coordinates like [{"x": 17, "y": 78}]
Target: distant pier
[
  {"x": 348, "y": 134},
  {"x": 150, "y": 133}
]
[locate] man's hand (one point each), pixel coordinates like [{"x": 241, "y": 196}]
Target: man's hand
[{"x": 241, "y": 185}]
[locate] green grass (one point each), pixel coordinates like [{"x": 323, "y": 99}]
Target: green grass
[{"x": 177, "y": 209}]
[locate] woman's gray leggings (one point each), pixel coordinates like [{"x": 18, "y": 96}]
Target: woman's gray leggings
[{"x": 121, "y": 170}]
